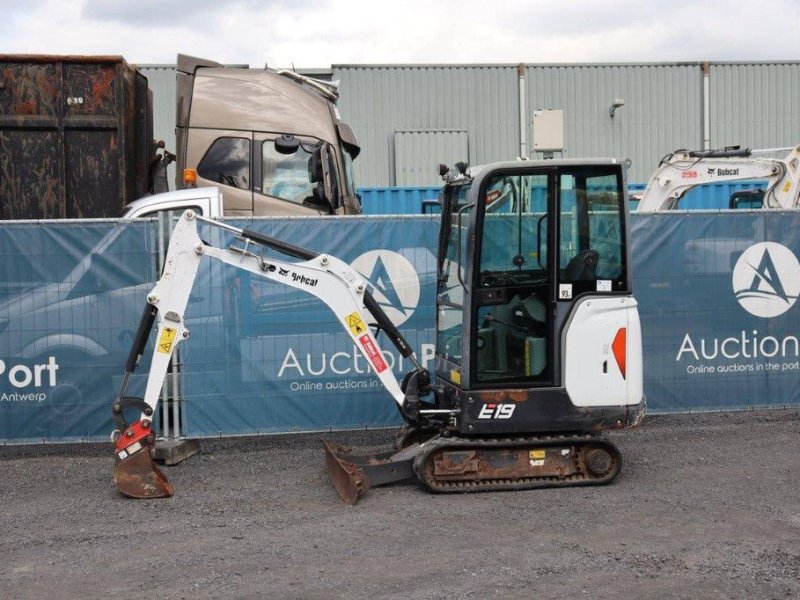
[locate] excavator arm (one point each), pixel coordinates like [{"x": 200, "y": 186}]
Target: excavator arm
[
  {"x": 683, "y": 170},
  {"x": 331, "y": 280}
]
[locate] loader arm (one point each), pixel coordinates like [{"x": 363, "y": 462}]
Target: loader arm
[
  {"x": 683, "y": 170},
  {"x": 331, "y": 280}
]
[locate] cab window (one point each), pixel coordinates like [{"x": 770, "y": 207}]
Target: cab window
[
  {"x": 592, "y": 236},
  {"x": 285, "y": 176},
  {"x": 227, "y": 161},
  {"x": 512, "y": 327},
  {"x": 454, "y": 244}
]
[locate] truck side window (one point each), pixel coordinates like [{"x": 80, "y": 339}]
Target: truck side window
[
  {"x": 285, "y": 176},
  {"x": 227, "y": 161}
]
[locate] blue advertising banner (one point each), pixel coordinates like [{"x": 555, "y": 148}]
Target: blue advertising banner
[
  {"x": 717, "y": 296},
  {"x": 71, "y": 293}
]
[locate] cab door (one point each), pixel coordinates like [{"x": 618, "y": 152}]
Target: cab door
[{"x": 513, "y": 277}]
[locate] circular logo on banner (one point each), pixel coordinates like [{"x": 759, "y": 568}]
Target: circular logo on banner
[
  {"x": 395, "y": 282},
  {"x": 766, "y": 279}
]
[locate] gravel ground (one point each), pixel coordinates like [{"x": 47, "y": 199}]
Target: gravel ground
[{"x": 707, "y": 506}]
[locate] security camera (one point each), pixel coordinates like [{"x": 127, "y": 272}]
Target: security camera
[{"x": 618, "y": 102}]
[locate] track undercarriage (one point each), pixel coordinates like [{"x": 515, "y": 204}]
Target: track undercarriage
[{"x": 447, "y": 464}]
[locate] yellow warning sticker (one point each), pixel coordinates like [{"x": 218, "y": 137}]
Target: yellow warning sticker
[
  {"x": 536, "y": 454},
  {"x": 455, "y": 376},
  {"x": 787, "y": 186},
  {"x": 355, "y": 323},
  {"x": 167, "y": 339}
]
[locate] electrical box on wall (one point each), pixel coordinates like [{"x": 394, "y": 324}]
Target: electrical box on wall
[{"x": 548, "y": 130}]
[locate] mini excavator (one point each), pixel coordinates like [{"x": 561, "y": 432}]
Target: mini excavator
[{"x": 538, "y": 340}]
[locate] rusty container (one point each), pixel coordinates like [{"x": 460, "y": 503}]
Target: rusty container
[{"x": 76, "y": 136}]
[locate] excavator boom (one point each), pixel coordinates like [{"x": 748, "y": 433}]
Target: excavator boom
[
  {"x": 684, "y": 170},
  {"x": 334, "y": 282}
]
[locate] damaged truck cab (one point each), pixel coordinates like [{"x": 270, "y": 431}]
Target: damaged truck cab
[{"x": 273, "y": 141}]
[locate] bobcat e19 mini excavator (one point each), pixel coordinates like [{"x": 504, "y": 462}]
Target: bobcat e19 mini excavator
[{"x": 538, "y": 342}]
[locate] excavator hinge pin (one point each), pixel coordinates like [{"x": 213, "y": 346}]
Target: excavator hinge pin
[
  {"x": 185, "y": 334},
  {"x": 199, "y": 249},
  {"x": 129, "y": 432},
  {"x": 360, "y": 288},
  {"x": 323, "y": 260},
  {"x": 152, "y": 298},
  {"x": 145, "y": 423}
]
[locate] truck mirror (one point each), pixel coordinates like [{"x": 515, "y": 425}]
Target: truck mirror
[
  {"x": 322, "y": 178},
  {"x": 287, "y": 144}
]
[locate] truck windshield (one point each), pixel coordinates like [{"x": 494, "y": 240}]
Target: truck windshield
[{"x": 285, "y": 176}]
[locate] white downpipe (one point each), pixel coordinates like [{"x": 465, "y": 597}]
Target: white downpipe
[
  {"x": 523, "y": 121},
  {"x": 706, "y": 106}
]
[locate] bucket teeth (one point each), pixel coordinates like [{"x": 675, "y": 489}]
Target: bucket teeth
[
  {"x": 347, "y": 478},
  {"x": 137, "y": 476}
]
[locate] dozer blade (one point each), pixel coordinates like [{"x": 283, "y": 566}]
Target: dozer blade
[
  {"x": 346, "y": 477},
  {"x": 137, "y": 476},
  {"x": 352, "y": 475}
]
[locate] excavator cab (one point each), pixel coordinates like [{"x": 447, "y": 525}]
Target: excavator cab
[
  {"x": 538, "y": 340},
  {"x": 526, "y": 250}
]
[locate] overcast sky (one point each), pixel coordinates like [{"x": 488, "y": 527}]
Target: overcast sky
[{"x": 318, "y": 33}]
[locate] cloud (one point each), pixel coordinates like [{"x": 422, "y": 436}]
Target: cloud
[
  {"x": 158, "y": 13},
  {"x": 319, "y": 33}
]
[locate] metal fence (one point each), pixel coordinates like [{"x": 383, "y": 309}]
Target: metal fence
[{"x": 717, "y": 294}]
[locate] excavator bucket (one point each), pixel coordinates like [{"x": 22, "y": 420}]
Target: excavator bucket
[
  {"x": 352, "y": 475},
  {"x": 137, "y": 476}
]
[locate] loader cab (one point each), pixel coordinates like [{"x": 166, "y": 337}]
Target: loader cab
[{"x": 521, "y": 244}]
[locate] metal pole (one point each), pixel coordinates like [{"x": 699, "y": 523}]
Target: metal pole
[
  {"x": 176, "y": 395},
  {"x": 163, "y": 224},
  {"x": 175, "y": 363}
]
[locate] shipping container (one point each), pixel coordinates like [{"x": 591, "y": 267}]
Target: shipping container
[{"x": 76, "y": 136}]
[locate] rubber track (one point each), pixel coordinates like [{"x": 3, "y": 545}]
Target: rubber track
[{"x": 581, "y": 443}]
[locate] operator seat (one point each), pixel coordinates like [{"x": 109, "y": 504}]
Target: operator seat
[{"x": 582, "y": 266}]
